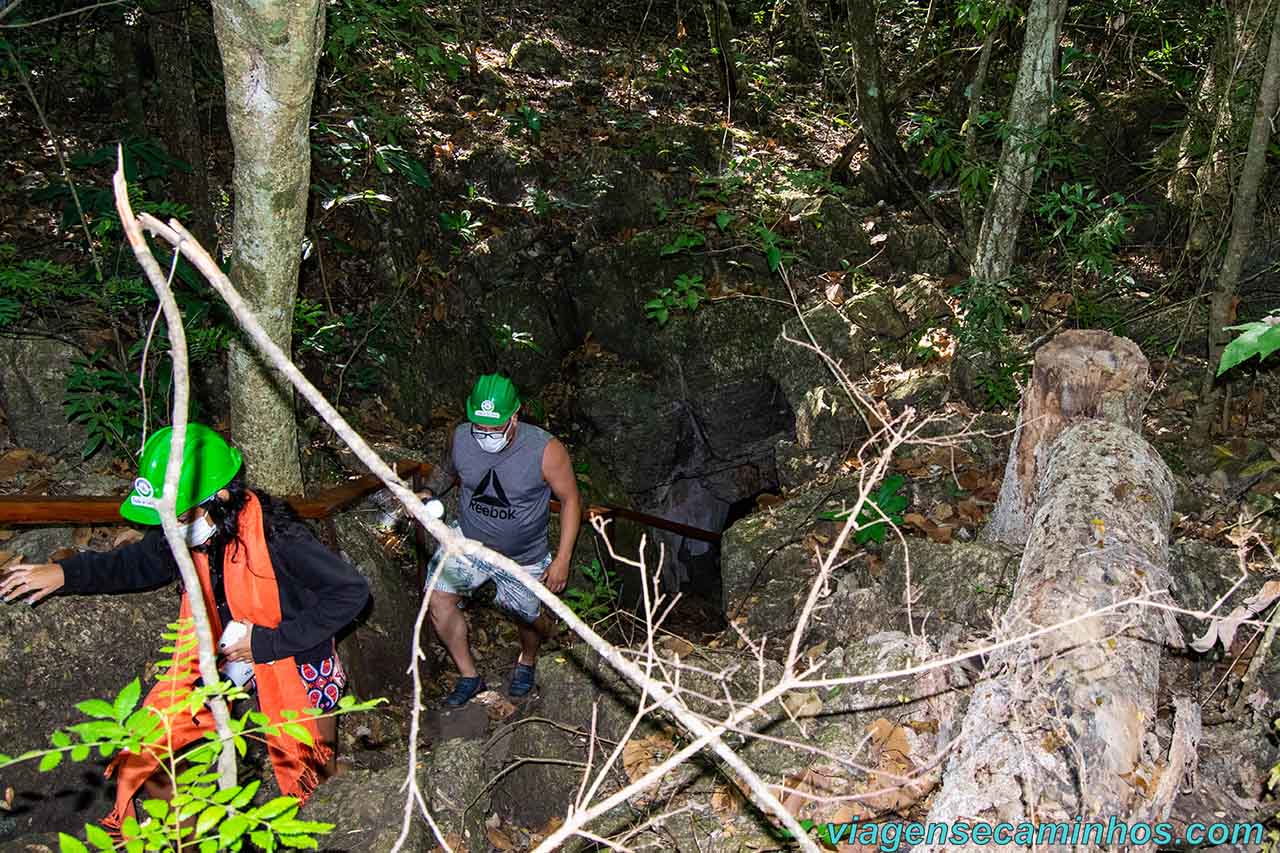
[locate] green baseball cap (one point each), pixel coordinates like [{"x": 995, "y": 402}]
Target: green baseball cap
[
  {"x": 493, "y": 400},
  {"x": 208, "y": 464}
]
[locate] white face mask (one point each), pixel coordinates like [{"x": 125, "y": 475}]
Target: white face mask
[
  {"x": 197, "y": 532},
  {"x": 492, "y": 442}
]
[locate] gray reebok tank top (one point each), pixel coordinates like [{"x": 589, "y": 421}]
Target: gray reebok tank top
[{"x": 504, "y": 502}]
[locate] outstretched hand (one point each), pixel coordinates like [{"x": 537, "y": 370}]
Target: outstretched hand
[{"x": 31, "y": 581}]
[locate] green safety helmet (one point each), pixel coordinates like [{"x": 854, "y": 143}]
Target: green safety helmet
[
  {"x": 208, "y": 464},
  {"x": 493, "y": 400}
]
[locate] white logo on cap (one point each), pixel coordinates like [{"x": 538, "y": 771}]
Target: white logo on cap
[
  {"x": 143, "y": 487},
  {"x": 486, "y": 410}
]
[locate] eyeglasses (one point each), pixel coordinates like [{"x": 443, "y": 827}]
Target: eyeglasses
[{"x": 478, "y": 431}]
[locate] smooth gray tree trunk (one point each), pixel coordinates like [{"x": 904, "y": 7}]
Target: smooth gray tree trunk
[
  {"x": 873, "y": 105},
  {"x": 1028, "y": 117},
  {"x": 269, "y": 49}
]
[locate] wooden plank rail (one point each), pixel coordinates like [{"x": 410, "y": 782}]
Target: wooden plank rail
[{"x": 43, "y": 509}]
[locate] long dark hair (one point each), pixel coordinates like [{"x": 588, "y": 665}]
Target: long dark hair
[{"x": 278, "y": 518}]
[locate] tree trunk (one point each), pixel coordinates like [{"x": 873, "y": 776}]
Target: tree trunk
[
  {"x": 1217, "y": 126},
  {"x": 126, "y": 61},
  {"x": 1078, "y": 374},
  {"x": 1028, "y": 117},
  {"x": 720, "y": 32},
  {"x": 179, "y": 122},
  {"x": 885, "y": 150},
  {"x": 1222, "y": 305},
  {"x": 269, "y": 53},
  {"x": 969, "y": 213},
  {"x": 1058, "y": 729}
]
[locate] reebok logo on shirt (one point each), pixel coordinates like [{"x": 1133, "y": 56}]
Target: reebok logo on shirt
[{"x": 490, "y": 499}]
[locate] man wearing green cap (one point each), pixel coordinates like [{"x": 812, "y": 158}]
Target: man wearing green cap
[{"x": 508, "y": 472}]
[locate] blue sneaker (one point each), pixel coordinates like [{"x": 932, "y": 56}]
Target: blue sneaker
[
  {"x": 521, "y": 680},
  {"x": 464, "y": 691}
]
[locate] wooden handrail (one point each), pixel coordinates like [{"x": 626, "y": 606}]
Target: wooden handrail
[{"x": 27, "y": 509}]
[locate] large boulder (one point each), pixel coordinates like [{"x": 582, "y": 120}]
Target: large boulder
[
  {"x": 961, "y": 585},
  {"x": 769, "y": 565},
  {"x": 376, "y": 652},
  {"x": 813, "y": 740},
  {"x": 536, "y": 56},
  {"x": 54, "y": 655},
  {"x": 367, "y": 807},
  {"x": 827, "y": 422},
  {"x": 33, "y": 376}
]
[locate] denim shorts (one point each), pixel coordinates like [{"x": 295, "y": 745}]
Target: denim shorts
[{"x": 463, "y": 575}]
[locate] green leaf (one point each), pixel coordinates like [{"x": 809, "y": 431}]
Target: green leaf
[
  {"x": 97, "y": 709},
  {"x": 246, "y": 795},
  {"x": 210, "y": 818},
  {"x": 127, "y": 698},
  {"x": 70, "y": 844},
  {"x": 723, "y": 218},
  {"x": 98, "y": 837},
  {"x": 158, "y": 809},
  {"x": 275, "y": 808},
  {"x": 232, "y": 828},
  {"x": 1260, "y": 338},
  {"x": 50, "y": 761},
  {"x": 80, "y": 752},
  {"x": 298, "y": 732},
  {"x": 60, "y": 739}
]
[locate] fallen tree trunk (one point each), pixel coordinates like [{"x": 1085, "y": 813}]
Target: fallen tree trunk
[
  {"x": 1056, "y": 728},
  {"x": 1058, "y": 734},
  {"x": 1078, "y": 374}
]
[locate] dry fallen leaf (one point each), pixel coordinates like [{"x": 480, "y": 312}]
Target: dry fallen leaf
[
  {"x": 640, "y": 754},
  {"x": 940, "y": 534},
  {"x": 455, "y": 842},
  {"x": 805, "y": 704},
  {"x": 81, "y": 536},
  {"x": 498, "y": 839},
  {"x": 677, "y": 646},
  {"x": 725, "y": 801}
]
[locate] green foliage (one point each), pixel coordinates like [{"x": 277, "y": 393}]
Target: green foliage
[
  {"x": 685, "y": 240},
  {"x": 462, "y": 224},
  {"x": 144, "y": 161},
  {"x": 886, "y": 502},
  {"x": 1087, "y": 226},
  {"x": 225, "y": 819},
  {"x": 507, "y": 339},
  {"x": 1260, "y": 338},
  {"x": 342, "y": 339},
  {"x": 943, "y": 147},
  {"x": 597, "y": 600},
  {"x": 686, "y": 294},
  {"x": 772, "y": 246},
  {"x": 106, "y": 403},
  {"x": 355, "y": 147},
  {"x": 368, "y": 34},
  {"x": 988, "y": 311},
  {"x": 673, "y": 63},
  {"x": 525, "y": 120}
]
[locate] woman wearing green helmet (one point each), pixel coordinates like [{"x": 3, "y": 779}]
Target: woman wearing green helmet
[{"x": 262, "y": 574}]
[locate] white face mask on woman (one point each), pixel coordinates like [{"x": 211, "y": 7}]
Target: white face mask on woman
[
  {"x": 197, "y": 532},
  {"x": 492, "y": 442}
]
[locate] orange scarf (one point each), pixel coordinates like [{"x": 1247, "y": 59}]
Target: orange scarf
[{"x": 253, "y": 596}]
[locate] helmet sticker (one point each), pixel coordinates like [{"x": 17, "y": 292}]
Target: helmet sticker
[
  {"x": 487, "y": 410},
  {"x": 143, "y": 487}
]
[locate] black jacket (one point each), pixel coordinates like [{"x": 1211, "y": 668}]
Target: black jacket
[{"x": 319, "y": 592}]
